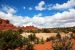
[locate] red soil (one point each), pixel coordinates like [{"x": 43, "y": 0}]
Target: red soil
[
  {"x": 45, "y": 46},
  {"x": 73, "y": 41},
  {"x": 48, "y": 46}
]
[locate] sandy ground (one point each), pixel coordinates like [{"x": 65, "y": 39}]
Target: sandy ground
[
  {"x": 44, "y": 35},
  {"x": 47, "y": 45}
]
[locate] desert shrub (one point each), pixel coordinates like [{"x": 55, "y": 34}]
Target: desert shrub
[
  {"x": 58, "y": 36},
  {"x": 59, "y": 45},
  {"x": 20, "y": 31},
  {"x": 46, "y": 30},
  {"x": 10, "y": 39},
  {"x": 29, "y": 46},
  {"x": 25, "y": 41},
  {"x": 32, "y": 37},
  {"x": 73, "y": 36},
  {"x": 68, "y": 45},
  {"x": 42, "y": 41},
  {"x": 73, "y": 30},
  {"x": 50, "y": 39},
  {"x": 2, "y": 44}
]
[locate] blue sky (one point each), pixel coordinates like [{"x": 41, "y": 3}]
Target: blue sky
[
  {"x": 22, "y": 6},
  {"x": 40, "y": 13}
]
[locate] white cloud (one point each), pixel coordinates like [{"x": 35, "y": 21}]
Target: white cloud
[
  {"x": 68, "y": 4},
  {"x": 64, "y": 19},
  {"x": 40, "y": 6},
  {"x": 8, "y": 9}
]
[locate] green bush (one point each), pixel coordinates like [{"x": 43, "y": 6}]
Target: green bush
[
  {"x": 10, "y": 39},
  {"x": 32, "y": 37},
  {"x": 58, "y": 36},
  {"x": 29, "y": 47},
  {"x": 59, "y": 45}
]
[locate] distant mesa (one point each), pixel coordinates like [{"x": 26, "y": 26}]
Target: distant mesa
[{"x": 30, "y": 28}]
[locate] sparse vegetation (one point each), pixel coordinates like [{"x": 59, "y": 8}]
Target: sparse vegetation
[
  {"x": 12, "y": 39},
  {"x": 59, "y": 44}
]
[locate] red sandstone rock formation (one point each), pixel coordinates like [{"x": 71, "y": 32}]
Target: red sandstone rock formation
[
  {"x": 30, "y": 28},
  {"x": 5, "y": 25}
]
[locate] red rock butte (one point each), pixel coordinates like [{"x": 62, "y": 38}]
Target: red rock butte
[{"x": 6, "y": 25}]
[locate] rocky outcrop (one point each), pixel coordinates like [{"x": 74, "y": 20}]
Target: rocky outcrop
[{"x": 5, "y": 25}]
